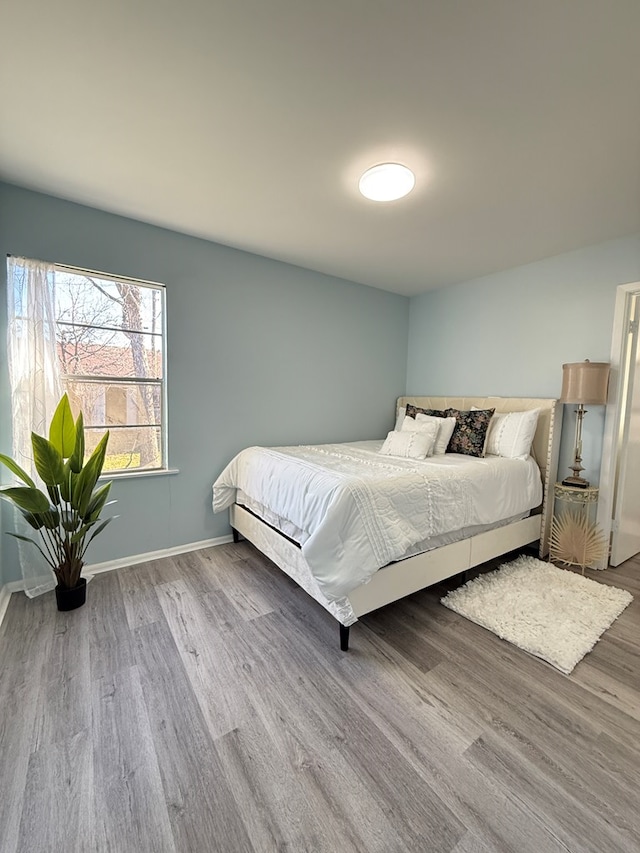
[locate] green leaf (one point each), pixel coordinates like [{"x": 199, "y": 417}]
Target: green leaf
[
  {"x": 97, "y": 502},
  {"x": 82, "y": 532},
  {"x": 48, "y": 461},
  {"x": 70, "y": 520},
  {"x": 87, "y": 478},
  {"x": 66, "y": 486},
  {"x": 77, "y": 457},
  {"x": 33, "y": 519},
  {"x": 33, "y": 542},
  {"x": 17, "y": 470},
  {"x": 32, "y": 500},
  {"x": 62, "y": 430},
  {"x": 99, "y": 529},
  {"x": 51, "y": 519},
  {"x": 54, "y": 494}
]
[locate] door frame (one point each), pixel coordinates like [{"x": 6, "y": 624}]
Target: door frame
[{"x": 616, "y": 403}]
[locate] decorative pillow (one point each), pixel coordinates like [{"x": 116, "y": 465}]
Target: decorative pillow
[
  {"x": 414, "y": 425},
  {"x": 410, "y": 445},
  {"x": 400, "y": 417},
  {"x": 446, "y": 427},
  {"x": 470, "y": 431},
  {"x": 510, "y": 434},
  {"x": 412, "y": 411}
]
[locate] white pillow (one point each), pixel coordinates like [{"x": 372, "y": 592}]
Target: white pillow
[
  {"x": 410, "y": 445},
  {"x": 446, "y": 427},
  {"x": 412, "y": 425},
  {"x": 510, "y": 434},
  {"x": 400, "y": 417}
]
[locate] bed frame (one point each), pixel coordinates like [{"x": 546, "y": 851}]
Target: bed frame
[{"x": 410, "y": 575}]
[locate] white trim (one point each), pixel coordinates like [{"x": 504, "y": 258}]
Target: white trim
[
  {"x": 135, "y": 559},
  {"x": 142, "y": 282},
  {"x": 123, "y": 474},
  {"x": 610, "y": 442},
  {"x": 5, "y": 597}
]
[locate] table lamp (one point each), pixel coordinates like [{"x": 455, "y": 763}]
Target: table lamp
[{"x": 584, "y": 383}]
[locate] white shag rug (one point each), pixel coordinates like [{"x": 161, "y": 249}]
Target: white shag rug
[{"x": 552, "y": 613}]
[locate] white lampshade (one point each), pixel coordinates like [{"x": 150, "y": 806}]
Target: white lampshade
[{"x": 585, "y": 382}]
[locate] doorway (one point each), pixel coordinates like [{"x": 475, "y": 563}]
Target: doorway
[{"x": 619, "y": 505}]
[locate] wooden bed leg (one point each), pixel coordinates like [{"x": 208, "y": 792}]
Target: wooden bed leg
[
  {"x": 236, "y": 535},
  {"x": 344, "y": 638}
]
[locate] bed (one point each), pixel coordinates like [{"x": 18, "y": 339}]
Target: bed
[{"x": 358, "y": 530}]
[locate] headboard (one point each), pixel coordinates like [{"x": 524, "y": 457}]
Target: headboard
[{"x": 546, "y": 442}]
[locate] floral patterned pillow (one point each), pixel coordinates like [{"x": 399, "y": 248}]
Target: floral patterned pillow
[
  {"x": 470, "y": 431},
  {"x": 412, "y": 411}
]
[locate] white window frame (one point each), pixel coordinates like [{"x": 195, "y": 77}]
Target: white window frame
[{"x": 164, "y": 422}]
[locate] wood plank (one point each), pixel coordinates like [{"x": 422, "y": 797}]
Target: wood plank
[
  {"x": 110, "y": 640},
  {"x": 543, "y": 787},
  {"x": 58, "y": 795},
  {"x": 205, "y": 568},
  {"x": 222, "y": 700},
  {"x": 137, "y": 585},
  {"x": 202, "y": 810},
  {"x": 511, "y": 711},
  {"x": 285, "y": 805},
  {"x": 248, "y": 590},
  {"x": 316, "y": 717},
  {"x": 129, "y": 797},
  {"x": 64, "y": 699},
  {"x": 28, "y": 635},
  {"x": 470, "y": 844},
  {"x": 433, "y": 737},
  {"x": 234, "y": 722}
]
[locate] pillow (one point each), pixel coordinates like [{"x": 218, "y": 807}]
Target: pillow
[
  {"x": 470, "y": 431},
  {"x": 400, "y": 417},
  {"x": 446, "y": 427},
  {"x": 414, "y": 425},
  {"x": 410, "y": 445},
  {"x": 510, "y": 434},
  {"x": 412, "y": 411}
]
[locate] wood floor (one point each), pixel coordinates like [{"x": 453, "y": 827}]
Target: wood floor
[{"x": 201, "y": 703}]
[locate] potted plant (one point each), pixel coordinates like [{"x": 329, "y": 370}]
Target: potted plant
[{"x": 67, "y": 517}]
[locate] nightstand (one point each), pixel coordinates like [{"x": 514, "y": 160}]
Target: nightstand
[{"x": 576, "y": 539}]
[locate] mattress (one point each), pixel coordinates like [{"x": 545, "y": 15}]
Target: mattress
[{"x": 354, "y": 511}]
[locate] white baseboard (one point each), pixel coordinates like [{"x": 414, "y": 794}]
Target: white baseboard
[
  {"x": 136, "y": 559},
  {"x": 5, "y": 595},
  {"x": 122, "y": 563}
]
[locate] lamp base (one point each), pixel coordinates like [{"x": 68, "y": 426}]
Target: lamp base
[{"x": 576, "y": 482}]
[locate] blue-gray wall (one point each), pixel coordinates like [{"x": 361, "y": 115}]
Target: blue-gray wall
[
  {"x": 259, "y": 352},
  {"x": 509, "y": 334},
  {"x": 264, "y": 352}
]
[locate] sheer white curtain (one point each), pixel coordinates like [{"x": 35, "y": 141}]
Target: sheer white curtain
[{"x": 35, "y": 385}]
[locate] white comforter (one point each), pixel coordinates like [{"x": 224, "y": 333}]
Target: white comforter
[{"x": 355, "y": 511}]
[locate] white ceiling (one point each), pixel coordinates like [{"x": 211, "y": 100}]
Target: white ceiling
[{"x": 249, "y": 123}]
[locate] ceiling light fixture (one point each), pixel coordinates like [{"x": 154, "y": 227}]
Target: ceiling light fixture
[{"x": 387, "y": 182}]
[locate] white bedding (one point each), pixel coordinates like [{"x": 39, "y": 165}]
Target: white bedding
[{"x": 355, "y": 511}]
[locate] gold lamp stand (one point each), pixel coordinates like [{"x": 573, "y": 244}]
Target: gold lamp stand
[{"x": 577, "y": 481}]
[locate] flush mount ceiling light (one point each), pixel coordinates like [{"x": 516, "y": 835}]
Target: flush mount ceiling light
[{"x": 387, "y": 182}]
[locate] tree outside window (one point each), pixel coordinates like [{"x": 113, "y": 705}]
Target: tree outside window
[{"x": 110, "y": 347}]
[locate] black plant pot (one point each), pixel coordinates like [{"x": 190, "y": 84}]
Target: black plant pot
[{"x": 68, "y": 598}]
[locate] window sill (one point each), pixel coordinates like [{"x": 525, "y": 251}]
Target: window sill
[{"x": 130, "y": 475}]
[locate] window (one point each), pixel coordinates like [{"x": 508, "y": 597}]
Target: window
[
  {"x": 110, "y": 345},
  {"x": 108, "y": 334}
]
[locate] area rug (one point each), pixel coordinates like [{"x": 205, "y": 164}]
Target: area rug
[{"x": 552, "y": 613}]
